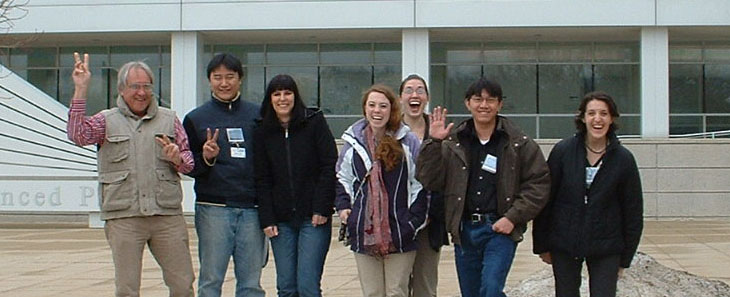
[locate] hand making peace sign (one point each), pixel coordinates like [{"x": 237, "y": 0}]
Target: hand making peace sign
[
  {"x": 210, "y": 147},
  {"x": 81, "y": 75},
  {"x": 169, "y": 149}
]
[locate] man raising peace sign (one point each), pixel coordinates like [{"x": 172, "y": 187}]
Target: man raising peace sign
[
  {"x": 226, "y": 214},
  {"x": 141, "y": 149}
]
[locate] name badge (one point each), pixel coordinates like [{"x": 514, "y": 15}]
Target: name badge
[
  {"x": 238, "y": 152},
  {"x": 591, "y": 174},
  {"x": 490, "y": 164},
  {"x": 235, "y": 135}
]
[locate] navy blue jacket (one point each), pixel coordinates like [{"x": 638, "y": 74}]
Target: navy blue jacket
[{"x": 230, "y": 181}]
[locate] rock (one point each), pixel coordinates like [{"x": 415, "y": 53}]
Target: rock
[{"x": 645, "y": 278}]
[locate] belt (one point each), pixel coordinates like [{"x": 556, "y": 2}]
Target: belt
[{"x": 477, "y": 218}]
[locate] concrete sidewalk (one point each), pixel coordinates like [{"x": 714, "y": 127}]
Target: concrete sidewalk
[{"x": 77, "y": 262}]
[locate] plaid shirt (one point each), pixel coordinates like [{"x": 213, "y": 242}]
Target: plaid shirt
[{"x": 83, "y": 130}]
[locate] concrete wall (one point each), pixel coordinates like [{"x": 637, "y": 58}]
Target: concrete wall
[{"x": 681, "y": 178}]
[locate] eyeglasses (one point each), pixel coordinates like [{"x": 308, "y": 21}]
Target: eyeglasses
[
  {"x": 419, "y": 91},
  {"x": 136, "y": 87},
  {"x": 478, "y": 100}
]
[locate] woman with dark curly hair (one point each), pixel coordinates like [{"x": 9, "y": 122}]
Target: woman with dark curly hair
[{"x": 595, "y": 210}]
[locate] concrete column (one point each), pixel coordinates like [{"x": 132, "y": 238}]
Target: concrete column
[
  {"x": 415, "y": 53},
  {"x": 186, "y": 71},
  {"x": 654, "y": 82}
]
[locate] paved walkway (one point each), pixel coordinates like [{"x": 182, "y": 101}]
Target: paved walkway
[{"x": 77, "y": 262}]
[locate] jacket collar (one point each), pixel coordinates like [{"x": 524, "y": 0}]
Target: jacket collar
[{"x": 230, "y": 105}]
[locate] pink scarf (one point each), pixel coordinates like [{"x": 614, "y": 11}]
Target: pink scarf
[{"x": 377, "y": 238}]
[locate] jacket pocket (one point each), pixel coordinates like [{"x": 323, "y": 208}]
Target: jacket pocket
[
  {"x": 116, "y": 192},
  {"x": 117, "y": 147},
  {"x": 169, "y": 191}
]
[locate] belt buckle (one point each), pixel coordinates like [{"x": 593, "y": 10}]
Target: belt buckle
[{"x": 477, "y": 218}]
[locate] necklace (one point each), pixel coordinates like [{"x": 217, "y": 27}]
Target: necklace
[{"x": 598, "y": 152}]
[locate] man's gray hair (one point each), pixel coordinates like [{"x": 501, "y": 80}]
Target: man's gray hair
[{"x": 124, "y": 73}]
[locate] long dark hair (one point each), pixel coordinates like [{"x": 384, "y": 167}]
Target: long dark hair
[{"x": 279, "y": 83}]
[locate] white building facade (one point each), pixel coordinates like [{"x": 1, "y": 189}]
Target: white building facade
[{"x": 666, "y": 62}]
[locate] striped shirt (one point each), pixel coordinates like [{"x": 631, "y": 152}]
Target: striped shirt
[{"x": 83, "y": 130}]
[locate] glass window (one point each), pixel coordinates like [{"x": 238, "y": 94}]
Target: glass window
[
  {"x": 564, "y": 52},
  {"x": 622, "y": 82},
  {"x": 45, "y": 80},
  {"x": 718, "y": 123},
  {"x": 510, "y": 53},
  {"x": 338, "y": 124},
  {"x": 389, "y": 76},
  {"x": 33, "y": 57},
  {"x": 629, "y": 125},
  {"x": 123, "y": 54},
  {"x": 616, "y": 52},
  {"x": 717, "y": 88},
  {"x": 527, "y": 123},
  {"x": 164, "y": 90},
  {"x": 248, "y": 54},
  {"x": 254, "y": 84},
  {"x": 455, "y": 53},
  {"x": 561, "y": 87},
  {"x": 456, "y": 79},
  {"x": 388, "y": 53},
  {"x": 291, "y": 54},
  {"x": 519, "y": 86},
  {"x": 98, "y": 56},
  {"x": 557, "y": 127},
  {"x": 342, "y": 87},
  {"x": 717, "y": 54},
  {"x": 685, "y": 53},
  {"x": 5, "y": 57},
  {"x": 685, "y": 88},
  {"x": 685, "y": 124},
  {"x": 357, "y": 53}
]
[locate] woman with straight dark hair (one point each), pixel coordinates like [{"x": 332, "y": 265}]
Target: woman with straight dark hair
[
  {"x": 595, "y": 210},
  {"x": 295, "y": 183},
  {"x": 378, "y": 195}
]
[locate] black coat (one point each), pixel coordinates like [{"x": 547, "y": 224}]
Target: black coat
[
  {"x": 295, "y": 169},
  {"x": 610, "y": 222}
]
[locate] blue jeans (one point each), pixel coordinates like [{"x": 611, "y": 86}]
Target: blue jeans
[
  {"x": 299, "y": 253},
  {"x": 225, "y": 232},
  {"x": 483, "y": 259}
]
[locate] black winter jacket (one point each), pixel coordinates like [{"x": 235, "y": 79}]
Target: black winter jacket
[
  {"x": 295, "y": 169},
  {"x": 605, "y": 220}
]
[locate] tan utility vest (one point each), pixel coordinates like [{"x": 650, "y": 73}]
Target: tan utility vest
[{"x": 135, "y": 179}]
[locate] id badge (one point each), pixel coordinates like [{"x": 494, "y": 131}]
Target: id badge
[
  {"x": 490, "y": 164},
  {"x": 235, "y": 135},
  {"x": 591, "y": 174},
  {"x": 238, "y": 152}
]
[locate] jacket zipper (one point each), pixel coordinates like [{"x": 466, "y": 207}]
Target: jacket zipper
[{"x": 288, "y": 162}]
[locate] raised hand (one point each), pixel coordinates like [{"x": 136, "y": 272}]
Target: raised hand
[
  {"x": 210, "y": 147},
  {"x": 438, "y": 128},
  {"x": 81, "y": 75},
  {"x": 169, "y": 149}
]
